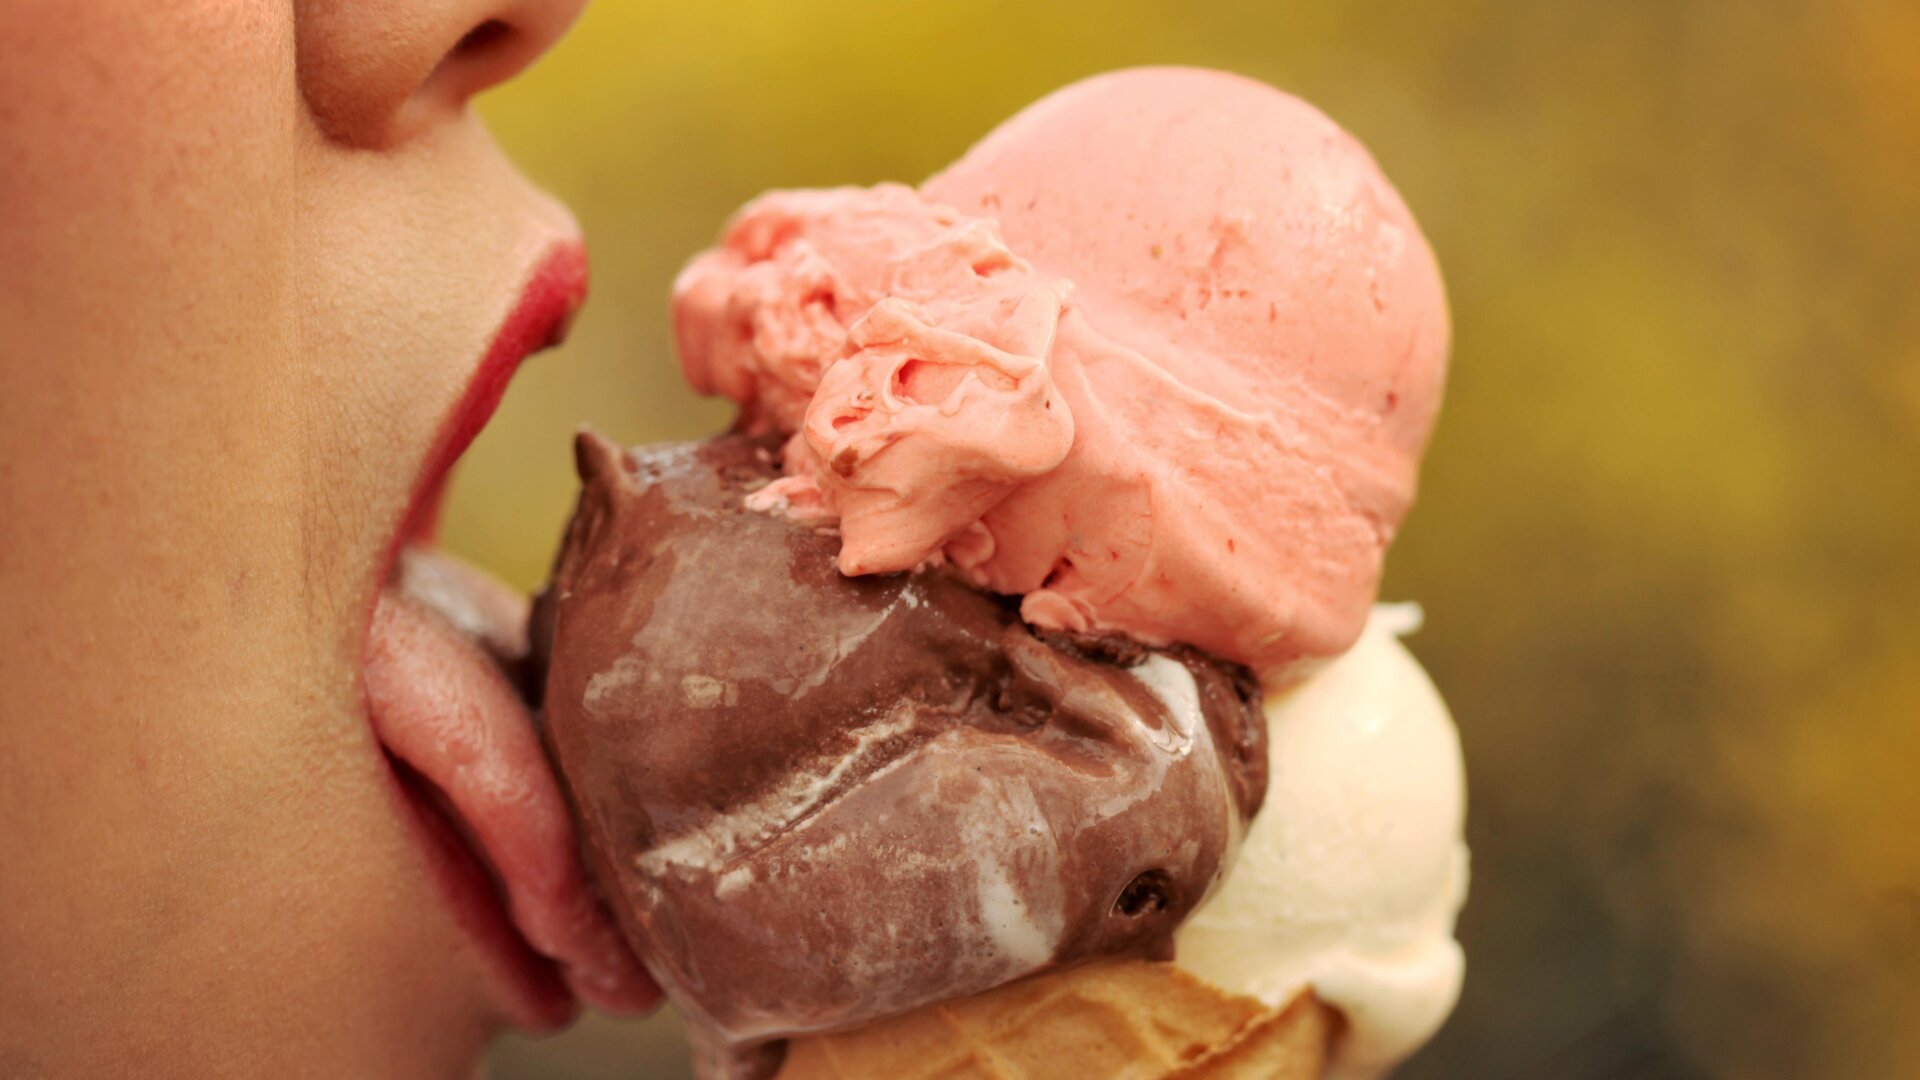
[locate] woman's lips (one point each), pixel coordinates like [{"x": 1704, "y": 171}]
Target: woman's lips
[{"x": 472, "y": 768}]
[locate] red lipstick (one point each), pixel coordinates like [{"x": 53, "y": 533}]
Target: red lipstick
[{"x": 548, "y": 301}]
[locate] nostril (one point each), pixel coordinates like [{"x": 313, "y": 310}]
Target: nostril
[
  {"x": 376, "y": 75},
  {"x": 483, "y": 38},
  {"x": 1146, "y": 894},
  {"x": 485, "y": 55}
]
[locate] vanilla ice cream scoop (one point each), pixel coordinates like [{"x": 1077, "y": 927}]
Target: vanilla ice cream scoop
[{"x": 1350, "y": 879}]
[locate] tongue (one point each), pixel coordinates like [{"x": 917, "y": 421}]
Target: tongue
[{"x": 443, "y": 642}]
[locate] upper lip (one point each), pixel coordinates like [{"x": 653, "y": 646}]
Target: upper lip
[{"x": 541, "y": 319}]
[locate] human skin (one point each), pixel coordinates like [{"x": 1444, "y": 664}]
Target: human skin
[{"x": 253, "y": 252}]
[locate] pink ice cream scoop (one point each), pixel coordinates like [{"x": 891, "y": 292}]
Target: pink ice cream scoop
[{"x": 1159, "y": 355}]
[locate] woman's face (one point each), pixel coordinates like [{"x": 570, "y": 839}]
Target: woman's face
[{"x": 264, "y": 275}]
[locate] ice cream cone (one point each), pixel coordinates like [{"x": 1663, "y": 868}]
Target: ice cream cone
[{"x": 1133, "y": 1020}]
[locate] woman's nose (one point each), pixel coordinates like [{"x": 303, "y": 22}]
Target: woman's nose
[{"x": 375, "y": 73}]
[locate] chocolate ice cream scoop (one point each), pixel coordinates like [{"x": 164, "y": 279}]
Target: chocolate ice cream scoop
[{"x": 814, "y": 800}]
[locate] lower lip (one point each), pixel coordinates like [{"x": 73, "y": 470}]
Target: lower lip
[{"x": 528, "y": 987}]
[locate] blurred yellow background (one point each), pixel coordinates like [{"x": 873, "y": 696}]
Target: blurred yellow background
[{"x": 1667, "y": 535}]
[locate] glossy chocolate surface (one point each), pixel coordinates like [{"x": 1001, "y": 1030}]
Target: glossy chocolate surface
[{"x": 814, "y": 800}]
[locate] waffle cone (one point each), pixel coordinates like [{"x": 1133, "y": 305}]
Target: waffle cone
[{"x": 1132, "y": 1020}]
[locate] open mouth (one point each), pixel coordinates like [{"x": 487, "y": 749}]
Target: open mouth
[{"x": 440, "y": 664}]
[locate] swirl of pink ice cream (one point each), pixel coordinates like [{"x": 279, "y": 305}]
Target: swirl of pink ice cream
[
  {"x": 1160, "y": 355},
  {"x": 905, "y": 343}
]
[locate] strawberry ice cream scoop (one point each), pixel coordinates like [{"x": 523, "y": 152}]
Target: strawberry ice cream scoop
[{"x": 1159, "y": 355}]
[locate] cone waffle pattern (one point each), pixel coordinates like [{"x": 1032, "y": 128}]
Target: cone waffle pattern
[{"x": 1117, "y": 1021}]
